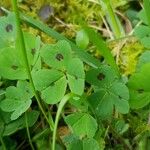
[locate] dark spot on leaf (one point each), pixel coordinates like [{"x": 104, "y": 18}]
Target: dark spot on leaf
[
  {"x": 9, "y": 28},
  {"x": 33, "y": 50},
  {"x": 14, "y": 67},
  {"x": 120, "y": 97},
  {"x": 59, "y": 57},
  {"x": 76, "y": 77},
  {"x": 27, "y": 90},
  {"x": 100, "y": 76},
  {"x": 140, "y": 90}
]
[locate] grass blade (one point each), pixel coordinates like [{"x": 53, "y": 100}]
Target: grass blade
[
  {"x": 146, "y": 4},
  {"x": 102, "y": 47}
]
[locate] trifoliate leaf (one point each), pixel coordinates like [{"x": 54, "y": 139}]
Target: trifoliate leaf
[
  {"x": 110, "y": 92},
  {"x": 51, "y": 83},
  {"x": 82, "y": 124},
  {"x": 11, "y": 66},
  {"x": 139, "y": 87},
  {"x": 7, "y": 30},
  {"x": 101, "y": 77},
  {"x": 76, "y": 76},
  {"x": 57, "y": 55},
  {"x": 18, "y": 99},
  {"x": 82, "y": 39}
]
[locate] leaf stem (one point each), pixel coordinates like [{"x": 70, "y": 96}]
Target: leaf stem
[
  {"x": 60, "y": 108},
  {"x": 112, "y": 16},
  {"x": 3, "y": 144},
  {"x": 28, "y": 132},
  {"x": 22, "y": 44}
]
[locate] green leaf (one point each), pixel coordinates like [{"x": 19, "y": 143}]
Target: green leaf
[
  {"x": 45, "y": 77},
  {"x": 110, "y": 92},
  {"x": 82, "y": 124},
  {"x": 18, "y": 99},
  {"x": 32, "y": 44},
  {"x": 12, "y": 68},
  {"x": 7, "y": 30},
  {"x": 57, "y": 55},
  {"x": 76, "y": 76},
  {"x": 18, "y": 124},
  {"x": 142, "y": 16},
  {"x": 143, "y": 34},
  {"x": 144, "y": 59},
  {"x": 80, "y": 104},
  {"x": 90, "y": 144},
  {"x": 120, "y": 126},
  {"x": 55, "y": 92},
  {"x": 51, "y": 83},
  {"x": 102, "y": 76},
  {"x": 146, "y": 4},
  {"x": 82, "y": 39},
  {"x": 102, "y": 48},
  {"x": 139, "y": 87},
  {"x": 85, "y": 144}
]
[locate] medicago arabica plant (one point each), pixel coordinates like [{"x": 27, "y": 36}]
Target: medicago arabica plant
[{"x": 49, "y": 87}]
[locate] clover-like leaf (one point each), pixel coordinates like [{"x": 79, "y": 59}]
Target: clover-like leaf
[
  {"x": 139, "y": 87},
  {"x": 11, "y": 58},
  {"x": 143, "y": 34},
  {"x": 11, "y": 66},
  {"x": 82, "y": 124},
  {"x": 51, "y": 83},
  {"x": 101, "y": 77},
  {"x": 76, "y": 76},
  {"x": 110, "y": 92},
  {"x": 18, "y": 99},
  {"x": 57, "y": 55},
  {"x": 7, "y": 30}
]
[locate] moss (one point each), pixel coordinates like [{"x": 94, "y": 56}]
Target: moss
[{"x": 129, "y": 56}]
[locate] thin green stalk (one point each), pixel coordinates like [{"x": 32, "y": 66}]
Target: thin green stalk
[
  {"x": 113, "y": 19},
  {"x": 60, "y": 108},
  {"x": 28, "y": 132},
  {"x": 3, "y": 144},
  {"x": 22, "y": 44},
  {"x": 43, "y": 133}
]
